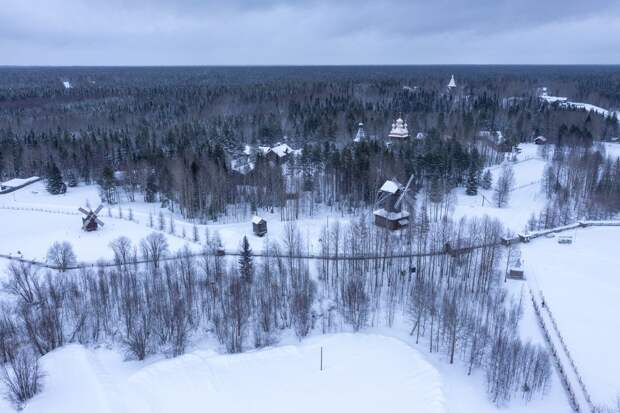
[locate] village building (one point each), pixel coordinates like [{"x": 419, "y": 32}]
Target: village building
[
  {"x": 361, "y": 134},
  {"x": 516, "y": 272},
  {"x": 388, "y": 213},
  {"x": 540, "y": 140},
  {"x": 243, "y": 165},
  {"x": 399, "y": 129},
  {"x": 278, "y": 153},
  {"x": 452, "y": 84},
  {"x": 259, "y": 226}
]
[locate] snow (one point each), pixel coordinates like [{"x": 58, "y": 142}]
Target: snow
[
  {"x": 18, "y": 227},
  {"x": 392, "y": 216},
  {"x": 525, "y": 198},
  {"x": 390, "y": 186},
  {"x": 612, "y": 149},
  {"x": 563, "y": 101},
  {"x": 362, "y": 373},
  {"x": 282, "y": 150},
  {"x": 32, "y": 210},
  {"x": 581, "y": 288},
  {"x": 256, "y": 220},
  {"x": 17, "y": 182},
  {"x": 67, "y": 84}
]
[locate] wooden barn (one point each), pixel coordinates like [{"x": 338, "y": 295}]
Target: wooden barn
[
  {"x": 388, "y": 211},
  {"x": 516, "y": 272},
  {"x": 259, "y": 226}
]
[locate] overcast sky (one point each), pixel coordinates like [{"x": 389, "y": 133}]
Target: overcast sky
[{"x": 264, "y": 32}]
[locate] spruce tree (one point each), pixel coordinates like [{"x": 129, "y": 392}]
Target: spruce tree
[
  {"x": 72, "y": 181},
  {"x": 55, "y": 184},
  {"x": 487, "y": 180},
  {"x": 150, "y": 191},
  {"x": 246, "y": 267},
  {"x": 472, "y": 182}
]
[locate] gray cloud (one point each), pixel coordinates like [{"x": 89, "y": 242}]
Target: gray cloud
[{"x": 308, "y": 31}]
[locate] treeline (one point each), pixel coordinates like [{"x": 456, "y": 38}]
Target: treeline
[
  {"x": 580, "y": 183},
  {"x": 455, "y": 304}
]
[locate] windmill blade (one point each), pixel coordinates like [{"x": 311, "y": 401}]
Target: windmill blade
[
  {"x": 381, "y": 198},
  {"x": 99, "y": 222},
  {"x": 99, "y": 208},
  {"x": 402, "y": 195},
  {"x": 83, "y": 211}
]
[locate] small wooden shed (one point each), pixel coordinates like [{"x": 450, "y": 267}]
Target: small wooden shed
[
  {"x": 516, "y": 271},
  {"x": 259, "y": 226}
]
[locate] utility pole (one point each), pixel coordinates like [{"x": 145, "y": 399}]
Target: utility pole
[{"x": 321, "y": 358}]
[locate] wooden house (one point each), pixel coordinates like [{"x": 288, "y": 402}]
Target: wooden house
[
  {"x": 388, "y": 211},
  {"x": 540, "y": 140},
  {"x": 565, "y": 239},
  {"x": 516, "y": 271},
  {"x": 259, "y": 226}
]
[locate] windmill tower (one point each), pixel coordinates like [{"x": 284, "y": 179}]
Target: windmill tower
[
  {"x": 388, "y": 211},
  {"x": 90, "y": 222}
]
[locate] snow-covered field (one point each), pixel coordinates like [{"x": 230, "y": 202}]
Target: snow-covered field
[
  {"x": 19, "y": 224},
  {"x": 526, "y": 197},
  {"x": 581, "y": 287},
  {"x": 362, "y": 373},
  {"x": 41, "y": 219}
]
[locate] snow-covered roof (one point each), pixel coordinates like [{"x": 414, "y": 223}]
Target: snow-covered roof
[
  {"x": 361, "y": 134},
  {"x": 390, "y": 186},
  {"x": 452, "y": 82},
  {"x": 17, "y": 182},
  {"x": 399, "y": 129},
  {"x": 242, "y": 166},
  {"x": 257, "y": 220},
  {"x": 392, "y": 216},
  {"x": 282, "y": 150}
]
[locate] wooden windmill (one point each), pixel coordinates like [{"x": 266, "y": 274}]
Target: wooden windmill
[
  {"x": 91, "y": 222},
  {"x": 388, "y": 206}
]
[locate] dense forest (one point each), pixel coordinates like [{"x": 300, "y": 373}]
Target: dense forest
[{"x": 172, "y": 132}]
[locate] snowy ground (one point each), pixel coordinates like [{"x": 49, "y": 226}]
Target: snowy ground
[
  {"x": 581, "y": 287},
  {"x": 362, "y": 373},
  {"x": 525, "y": 199}
]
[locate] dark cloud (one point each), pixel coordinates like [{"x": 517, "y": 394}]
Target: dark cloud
[{"x": 308, "y": 31}]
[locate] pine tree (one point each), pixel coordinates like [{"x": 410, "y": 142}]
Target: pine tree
[
  {"x": 246, "y": 267},
  {"x": 72, "y": 179},
  {"x": 55, "y": 184},
  {"x": 108, "y": 185},
  {"x": 472, "y": 182},
  {"x": 150, "y": 191},
  {"x": 487, "y": 180},
  {"x": 436, "y": 190}
]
